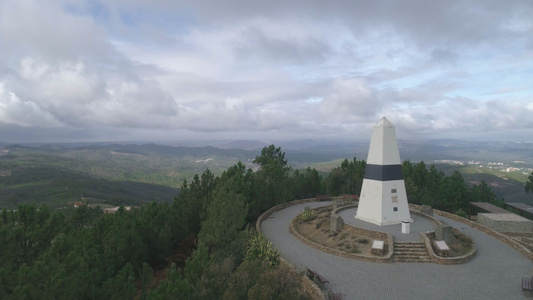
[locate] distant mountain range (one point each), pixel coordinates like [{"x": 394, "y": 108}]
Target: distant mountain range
[{"x": 445, "y": 149}]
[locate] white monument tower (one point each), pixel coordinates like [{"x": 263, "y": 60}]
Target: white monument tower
[{"x": 383, "y": 200}]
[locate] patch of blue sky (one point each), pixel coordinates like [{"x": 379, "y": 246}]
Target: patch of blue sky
[
  {"x": 497, "y": 82},
  {"x": 95, "y": 9},
  {"x": 314, "y": 100},
  {"x": 475, "y": 86},
  {"x": 171, "y": 23},
  {"x": 518, "y": 84},
  {"x": 309, "y": 73},
  {"x": 412, "y": 81}
]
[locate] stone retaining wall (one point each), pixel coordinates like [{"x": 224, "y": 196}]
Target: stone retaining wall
[
  {"x": 447, "y": 260},
  {"x": 367, "y": 258},
  {"x": 365, "y": 232},
  {"x": 377, "y": 235},
  {"x": 423, "y": 215},
  {"x": 518, "y": 234},
  {"x": 525, "y": 244},
  {"x": 278, "y": 208},
  {"x": 505, "y": 239},
  {"x": 315, "y": 291},
  {"x": 345, "y": 207}
]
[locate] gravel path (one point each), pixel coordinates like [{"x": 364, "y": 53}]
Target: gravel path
[{"x": 495, "y": 272}]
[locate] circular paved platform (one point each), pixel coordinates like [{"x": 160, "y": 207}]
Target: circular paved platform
[{"x": 495, "y": 272}]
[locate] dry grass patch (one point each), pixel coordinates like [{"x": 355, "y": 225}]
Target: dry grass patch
[
  {"x": 317, "y": 230},
  {"x": 460, "y": 245}
]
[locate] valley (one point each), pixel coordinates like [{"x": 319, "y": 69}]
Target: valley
[{"x": 131, "y": 174}]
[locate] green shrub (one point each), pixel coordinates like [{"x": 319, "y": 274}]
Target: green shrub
[
  {"x": 308, "y": 214},
  {"x": 261, "y": 249},
  {"x": 461, "y": 213}
]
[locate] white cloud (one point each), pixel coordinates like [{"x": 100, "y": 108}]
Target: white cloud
[
  {"x": 15, "y": 111},
  {"x": 36, "y": 28},
  {"x": 211, "y": 67},
  {"x": 351, "y": 98}
]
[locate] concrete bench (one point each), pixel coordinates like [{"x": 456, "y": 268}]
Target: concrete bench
[
  {"x": 442, "y": 248},
  {"x": 319, "y": 280},
  {"x": 527, "y": 283},
  {"x": 320, "y": 198},
  {"x": 527, "y": 286},
  {"x": 378, "y": 247}
]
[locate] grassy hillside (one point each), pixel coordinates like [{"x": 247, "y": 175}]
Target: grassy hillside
[
  {"x": 135, "y": 173},
  {"x": 116, "y": 174},
  {"x": 58, "y": 186},
  {"x": 162, "y": 165}
]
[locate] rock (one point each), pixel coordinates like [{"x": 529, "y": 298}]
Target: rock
[
  {"x": 335, "y": 223},
  {"x": 444, "y": 232}
]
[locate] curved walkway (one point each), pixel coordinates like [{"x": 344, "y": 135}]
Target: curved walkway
[{"x": 495, "y": 272}]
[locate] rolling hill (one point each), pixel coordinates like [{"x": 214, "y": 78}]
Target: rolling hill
[{"x": 135, "y": 173}]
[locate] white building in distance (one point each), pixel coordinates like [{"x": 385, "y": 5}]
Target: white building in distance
[{"x": 383, "y": 200}]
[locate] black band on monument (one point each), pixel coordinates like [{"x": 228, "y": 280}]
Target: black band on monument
[{"x": 383, "y": 172}]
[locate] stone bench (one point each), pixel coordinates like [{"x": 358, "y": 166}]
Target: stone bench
[
  {"x": 317, "y": 278},
  {"x": 527, "y": 283},
  {"x": 527, "y": 286},
  {"x": 320, "y": 198},
  {"x": 378, "y": 248},
  {"x": 442, "y": 248}
]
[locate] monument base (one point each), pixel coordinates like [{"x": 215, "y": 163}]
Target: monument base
[{"x": 391, "y": 222}]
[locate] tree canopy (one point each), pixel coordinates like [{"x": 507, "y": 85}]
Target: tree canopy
[
  {"x": 81, "y": 253},
  {"x": 529, "y": 183}
]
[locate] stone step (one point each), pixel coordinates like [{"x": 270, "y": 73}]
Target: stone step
[
  {"x": 413, "y": 256},
  {"x": 409, "y": 243},
  {"x": 407, "y": 247},
  {"x": 410, "y": 248},
  {"x": 413, "y": 260},
  {"x": 422, "y": 254},
  {"x": 410, "y": 252}
]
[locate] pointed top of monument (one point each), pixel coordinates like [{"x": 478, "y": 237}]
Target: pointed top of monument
[
  {"x": 383, "y": 148},
  {"x": 384, "y": 122}
]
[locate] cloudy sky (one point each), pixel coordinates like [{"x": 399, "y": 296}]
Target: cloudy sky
[{"x": 170, "y": 70}]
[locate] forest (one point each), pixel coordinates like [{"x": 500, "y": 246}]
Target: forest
[{"x": 200, "y": 246}]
